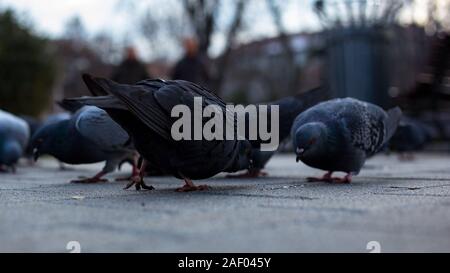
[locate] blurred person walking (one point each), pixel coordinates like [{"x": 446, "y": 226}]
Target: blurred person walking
[
  {"x": 131, "y": 69},
  {"x": 192, "y": 67}
]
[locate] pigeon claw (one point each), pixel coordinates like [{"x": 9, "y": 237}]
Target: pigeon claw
[
  {"x": 329, "y": 179},
  {"x": 345, "y": 180},
  {"x": 138, "y": 183},
  {"x": 188, "y": 188},
  {"x": 318, "y": 179}
]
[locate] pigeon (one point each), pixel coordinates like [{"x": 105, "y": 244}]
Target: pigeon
[
  {"x": 144, "y": 111},
  {"x": 89, "y": 136},
  {"x": 289, "y": 108},
  {"x": 33, "y": 125},
  {"x": 14, "y": 136},
  {"x": 338, "y": 135},
  {"x": 411, "y": 135},
  {"x": 56, "y": 118}
]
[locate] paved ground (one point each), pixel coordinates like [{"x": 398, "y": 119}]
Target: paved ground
[{"x": 403, "y": 206}]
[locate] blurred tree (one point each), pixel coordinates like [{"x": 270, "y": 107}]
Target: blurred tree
[
  {"x": 292, "y": 81},
  {"x": 26, "y": 68},
  {"x": 106, "y": 47},
  {"x": 75, "y": 30}
]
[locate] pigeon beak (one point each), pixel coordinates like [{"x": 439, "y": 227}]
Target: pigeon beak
[
  {"x": 299, "y": 153},
  {"x": 36, "y": 154}
]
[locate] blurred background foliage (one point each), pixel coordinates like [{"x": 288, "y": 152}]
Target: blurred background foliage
[{"x": 27, "y": 67}]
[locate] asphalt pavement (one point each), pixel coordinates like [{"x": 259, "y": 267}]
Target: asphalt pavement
[{"x": 392, "y": 205}]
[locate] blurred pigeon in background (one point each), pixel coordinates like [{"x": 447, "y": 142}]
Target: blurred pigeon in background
[
  {"x": 338, "y": 135},
  {"x": 411, "y": 136},
  {"x": 289, "y": 109},
  {"x": 33, "y": 125},
  {"x": 14, "y": 135},
  {"x": 54, "y": 118},
  {"x": 89, "y": 136},
  {"x": 144, "y": 111},
  {"x": 57, "y": 118}
]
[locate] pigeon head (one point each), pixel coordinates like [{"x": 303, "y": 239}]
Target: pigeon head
[
  {"x": 10, "y": 152},
  {"x": 309, "y": 139},
  {"x": 43, "y": 140}
]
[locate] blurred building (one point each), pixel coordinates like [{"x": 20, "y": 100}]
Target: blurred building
[
  {"x": 357, "y": 47},
  {"x": 75, "y": 58},
  {"x": 257, "y": 71}
]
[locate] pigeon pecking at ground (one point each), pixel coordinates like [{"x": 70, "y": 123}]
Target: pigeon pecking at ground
[
  {"x": 338, "y": 135},
  {"x": 289, "y": 109},
  {"x": 144, "y": 111},
  {"x": 14, "y": 135},
  {"x": 89, "y": 136}
]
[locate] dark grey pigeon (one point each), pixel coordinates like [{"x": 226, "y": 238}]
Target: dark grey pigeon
[
  {"x": 14, "y": 135},
  {"x": 340, "y": 134},
  {"x": 89, "y": 136},
  {"x": 144, "y": 111},
  {"x": 289, "y": 109},
  {"x": 411, "y": 136},
  {"x": 53, "y": 118}
]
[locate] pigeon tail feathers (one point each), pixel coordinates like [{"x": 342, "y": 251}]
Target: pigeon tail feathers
[
  {"x": 95, "y": 85},
  {"x": 394, "y": 116}
]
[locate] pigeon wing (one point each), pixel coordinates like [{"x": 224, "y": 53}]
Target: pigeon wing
[
  {"x": 96, "y": 125},
  {"x": 139, "y": 100},
  {"x": 183, "y": 93},
  {"x": 366, "y": 124}
]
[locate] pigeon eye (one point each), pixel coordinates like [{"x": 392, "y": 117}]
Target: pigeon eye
[{"x": 312, "y": 141}]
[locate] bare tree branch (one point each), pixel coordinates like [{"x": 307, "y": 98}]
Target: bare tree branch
[
  {"x": 230, "y": 41},
  {"x": 275, "y": 10},
  {"x": 202, "y": 13}
]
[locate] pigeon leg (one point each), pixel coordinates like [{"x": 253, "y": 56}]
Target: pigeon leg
[
  {"x": 325, "y": 178},
  {"x": 406, "y": 156},
  {"x": 345, "y": 180},
  {"x": 134, "y": 172},
  {"x": 189, "y": 186},
  {"x": 3, "y": 169},
  {"x": 138, "y": 179},
  {"x": 252, "y": 173},
  {"x": 95, "y": 179},
  {"x": 329, "y": 179}
]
